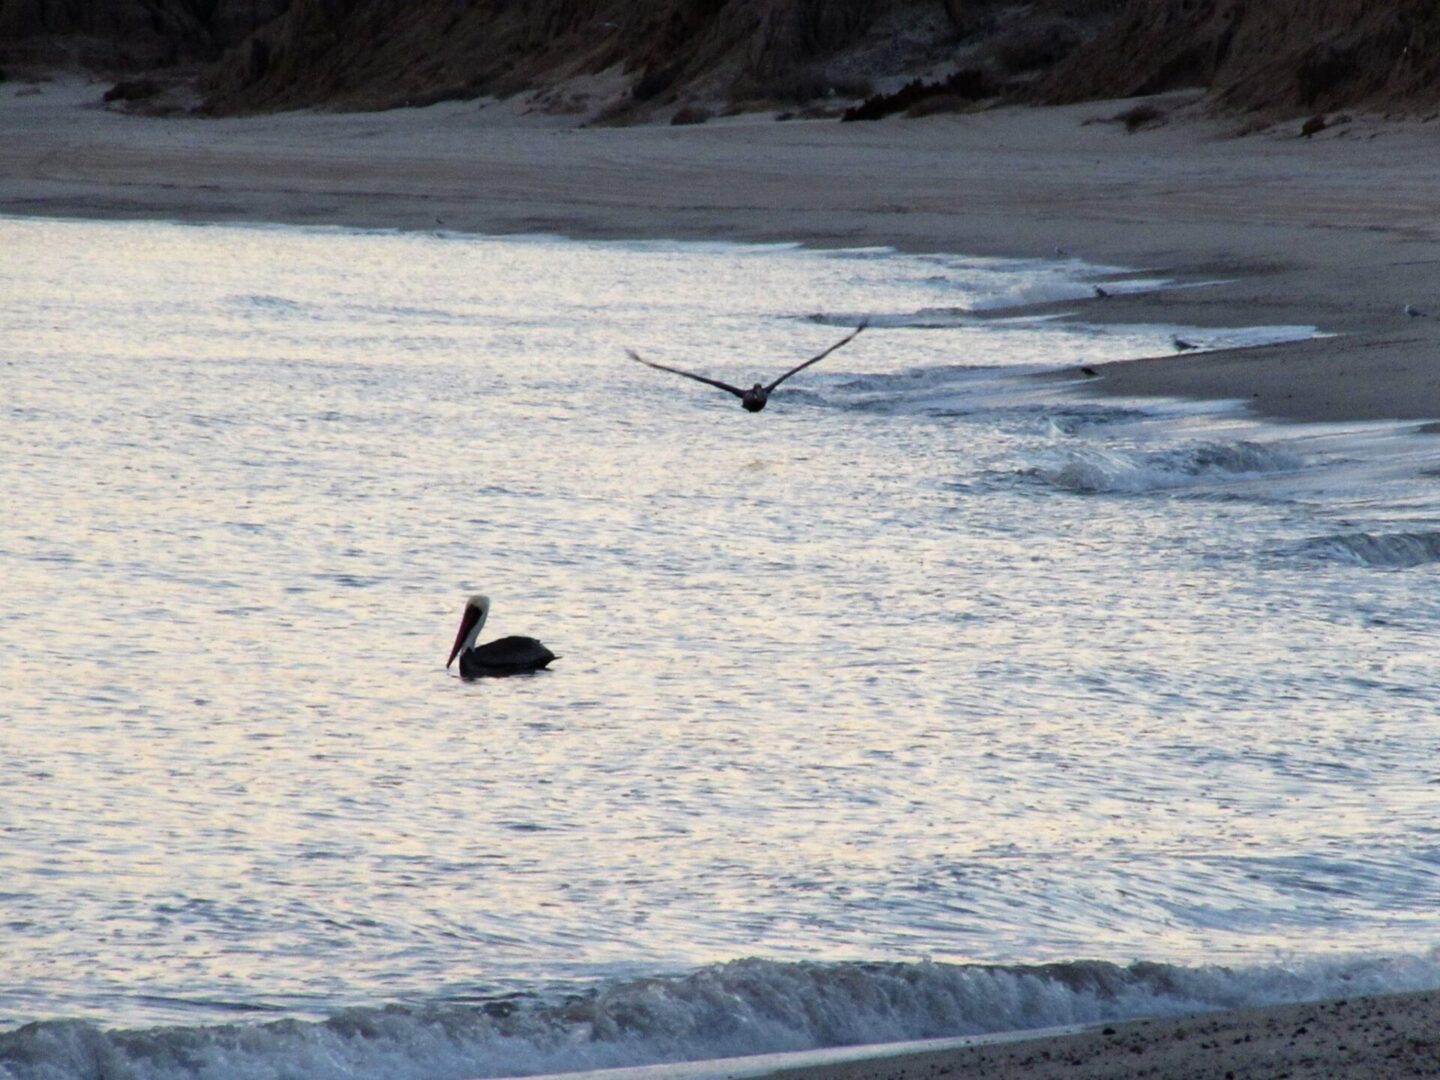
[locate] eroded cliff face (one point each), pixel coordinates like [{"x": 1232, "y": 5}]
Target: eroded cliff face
[
  {"x": 374, "y": 53},
  {"x": 1276, "y": 56},
  {"x": 377, "y": 53},
  {"x": 1273, "y": 56},
  {"x": 128, "y": 35}
]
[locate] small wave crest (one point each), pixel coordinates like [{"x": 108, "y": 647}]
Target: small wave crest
[
  {"x": 266, "y": 302},
  {"x": 941, "y": 390},
  {"x": 743, "y": 1007},
  {"x": 1391, "y": 550},
  {"x": 938, "y": 377},
  {"x": 1095, "y": 470},
  {"x": 925, "y": 318}
]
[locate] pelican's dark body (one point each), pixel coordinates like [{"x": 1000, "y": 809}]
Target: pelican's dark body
[{"x": 504, "y": 656}]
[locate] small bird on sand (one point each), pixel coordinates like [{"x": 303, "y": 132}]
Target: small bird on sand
[
  {"x": 1416, "y": 313},
  {"x": 1100, "y": 293},
  {"x": 1181, "y": 345},
  {"x": 756, "y": 398},
  {"x": 503, "y": 656}
]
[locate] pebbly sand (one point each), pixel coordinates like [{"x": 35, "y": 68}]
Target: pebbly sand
[
  {"x": 1390, "y": 1037},
  {"x": 1340, "y": 231},
  {"x": 1369, "y": 1038}
]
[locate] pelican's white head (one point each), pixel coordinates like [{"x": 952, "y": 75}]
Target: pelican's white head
[{"x": 477, "y": 610}]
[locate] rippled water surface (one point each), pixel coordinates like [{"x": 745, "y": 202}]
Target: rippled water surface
[{"x": 934, "y": 662}]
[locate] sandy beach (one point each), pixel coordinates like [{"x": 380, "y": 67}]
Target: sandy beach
[{"x": 1340, "y": 231}]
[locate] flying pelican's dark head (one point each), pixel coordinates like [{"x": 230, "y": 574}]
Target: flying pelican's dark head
[
  {"x": 755, "y": 398},
  {"x": 477, "y": 610}
]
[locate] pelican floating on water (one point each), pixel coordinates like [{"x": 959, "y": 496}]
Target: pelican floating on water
[
  {"x": 503, "y": 656},
  {"x": 756, "y": 398}
]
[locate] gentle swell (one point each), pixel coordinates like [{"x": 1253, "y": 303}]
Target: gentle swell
[{"x": 744, "y": 1007}]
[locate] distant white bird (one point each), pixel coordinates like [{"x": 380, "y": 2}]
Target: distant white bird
[
  {"x": 1416, "y": 313},
  {"x": 756, "y": 398},
  {"x": 1181, "y": 345}
]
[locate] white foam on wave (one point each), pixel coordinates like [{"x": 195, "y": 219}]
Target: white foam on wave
[
  {"x": 1064, "y": 285},
  {"x": 1099, "y": 470},
  {"x": 739, "y": 1008}
]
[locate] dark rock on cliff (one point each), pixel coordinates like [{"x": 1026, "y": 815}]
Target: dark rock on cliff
[
  {"x": 966, "y": 85},
  {"x": 128, "y": 35}
]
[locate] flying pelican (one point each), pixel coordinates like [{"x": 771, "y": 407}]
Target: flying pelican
[
  {"x": 754, "y": 399},
  {"x": 503, "y": 656}
]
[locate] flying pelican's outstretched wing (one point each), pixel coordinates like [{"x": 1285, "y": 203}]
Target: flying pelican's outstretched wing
[
  {"x": 689, "y": 374},
  {"x": 814, "y": 359}
]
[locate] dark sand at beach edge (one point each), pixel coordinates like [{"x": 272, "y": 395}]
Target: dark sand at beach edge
[
  {"x": 1365, "y": 1038},
  {"x": 1391, "y": 1036}
]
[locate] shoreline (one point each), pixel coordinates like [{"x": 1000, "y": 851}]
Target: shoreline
[
  {"x": 1396, "y": 1036},
  {"x": 1340, "y": 232}
]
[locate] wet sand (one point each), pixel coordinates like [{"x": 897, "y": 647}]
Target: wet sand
[
  {"x": 1340, "y": 232},
  {"x": 1394, "y": 1037}
]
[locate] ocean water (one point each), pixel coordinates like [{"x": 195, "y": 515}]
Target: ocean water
[{"x": 938, "y": 698}]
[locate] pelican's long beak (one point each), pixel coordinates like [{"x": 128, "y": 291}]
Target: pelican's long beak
[{"x": 467, "y": 621}]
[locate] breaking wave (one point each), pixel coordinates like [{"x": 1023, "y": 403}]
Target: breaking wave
[
  {"x": 743, "y": 1007},
  {"x": 1097, "y": 470},
  {"x": 1395, "y": 550},
  {"x": 265, "y": 302}
]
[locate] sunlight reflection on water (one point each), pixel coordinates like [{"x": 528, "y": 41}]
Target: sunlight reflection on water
[{"x": 868, "y": 675}]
